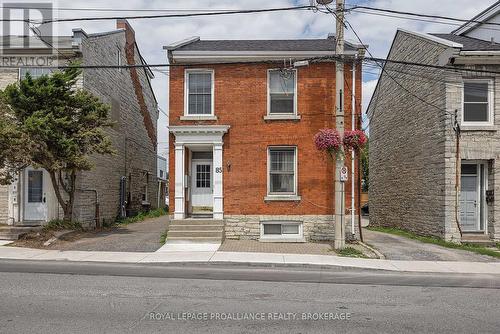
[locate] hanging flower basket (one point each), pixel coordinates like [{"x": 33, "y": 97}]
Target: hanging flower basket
[
  {"x": 354, "y": 140},
  {"x": 328, "y": 140}
]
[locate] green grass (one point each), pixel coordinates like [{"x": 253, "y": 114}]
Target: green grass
[
  {"x": 438, "y": 241},
  {"x": 62, "y": 225},
  {"x": 142, "y": 216},
  {"x": 350, "y": 252},
  {"x": 163, "y": 238}
]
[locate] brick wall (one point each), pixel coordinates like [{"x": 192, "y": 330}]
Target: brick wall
[{"x": 241, "y": 102}]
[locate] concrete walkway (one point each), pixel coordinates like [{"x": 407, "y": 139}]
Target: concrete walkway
[
  {"x": 250, "y": 258},
  {"x": 137, "y": 237},
  {"x": 395, "y": 247}
]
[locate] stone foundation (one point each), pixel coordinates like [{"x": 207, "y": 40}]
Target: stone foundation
[{"x": 246, "y": 227}]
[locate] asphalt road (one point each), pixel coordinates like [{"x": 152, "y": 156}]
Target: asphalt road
[{"x": 55, "y": 297}]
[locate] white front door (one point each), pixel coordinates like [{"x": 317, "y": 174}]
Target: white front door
[
  {"x": 468, "y": 203},
  {"x": 202, "y": 186},
  {"x": 35, "y": 196},
  {"x": 472, "y": 197}
]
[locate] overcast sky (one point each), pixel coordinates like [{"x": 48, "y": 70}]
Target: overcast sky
[{"x": 153, "y": 34}]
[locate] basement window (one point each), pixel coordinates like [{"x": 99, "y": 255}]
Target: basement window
[{"x": 281, "y": 230}]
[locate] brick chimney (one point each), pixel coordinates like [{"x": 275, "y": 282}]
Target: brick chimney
[{"x": 129, "y": 31}]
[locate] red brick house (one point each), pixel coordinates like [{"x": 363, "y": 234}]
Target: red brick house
[{"x": 241, "y": 135}]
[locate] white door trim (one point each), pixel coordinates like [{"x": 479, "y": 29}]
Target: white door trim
[{"x": 201, "y": 135}]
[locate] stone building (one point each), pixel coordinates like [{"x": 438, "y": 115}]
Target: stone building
[
  {"x": 435, "y": 133},
  {"x": 120, "y": 184},
  {"x": 242, "y": 128}
]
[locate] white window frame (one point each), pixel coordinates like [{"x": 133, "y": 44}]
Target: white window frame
[
  {"x": 285, "y": 237},
  {"x": 491, "y": 102},
  {"x": 281, "y": 115},
  {"x": 40, "y": 67},
  {"x": 186, "y": 92},
  {"x": 277, "y": 196}
]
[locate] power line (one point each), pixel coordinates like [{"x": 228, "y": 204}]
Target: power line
[
  {"x": 450, "y": 18},
  {"x": 133, "y": 17},
  {"x": 417, "y": 19},
  {"x": 96, "y": 9},
  {"x": 384, "y": 71}
]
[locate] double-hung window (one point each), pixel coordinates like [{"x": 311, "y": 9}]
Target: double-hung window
[
  {"x": 477, "y": 102},
  {"x": 282, "y": 92},
  {"x": 199, "y": 93},
  {"x": 282, "y": 178},
  {"x": 35, "y": 72}
]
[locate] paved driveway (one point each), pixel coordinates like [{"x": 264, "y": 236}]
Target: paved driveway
[
  {"x": 400, "y": 248},
  {"x": 138, "y": 237}
]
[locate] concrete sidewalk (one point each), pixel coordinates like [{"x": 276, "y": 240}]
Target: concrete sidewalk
[{"x": 251, "y": 258}]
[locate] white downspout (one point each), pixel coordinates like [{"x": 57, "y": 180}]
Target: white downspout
[{"x": 353, "y": 125}]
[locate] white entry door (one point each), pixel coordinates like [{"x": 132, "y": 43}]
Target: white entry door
[
  {"x": 202, "y": 185},
  {"x": 35, "y": 197},
  {"x": 468, "y": 203},
  {"x": 471, "y": 197}
]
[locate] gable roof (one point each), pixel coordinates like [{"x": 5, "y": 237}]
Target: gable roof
[
  {"x": 193, "y": 49},
  {"x": 326, "y": 44},
  {"x": 470, "y": 43},
  {"x": 477, "y": 20}
]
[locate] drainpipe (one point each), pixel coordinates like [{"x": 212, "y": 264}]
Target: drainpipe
[
  {"x": 457, "y": 130},
  {"x": 353, "y": 155}
]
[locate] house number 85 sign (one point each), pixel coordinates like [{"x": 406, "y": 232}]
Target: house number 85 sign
[{"x": 218, "y": 170}]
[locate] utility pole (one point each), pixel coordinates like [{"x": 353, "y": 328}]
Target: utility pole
[{"x": 339, "y": 123}]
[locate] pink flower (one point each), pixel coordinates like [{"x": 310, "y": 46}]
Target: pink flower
[
  {"x": 355, "y": 139},
  {"x": 328, "y": 140}
]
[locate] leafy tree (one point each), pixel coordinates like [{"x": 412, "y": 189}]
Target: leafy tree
[{"x": 48, "y": 122}]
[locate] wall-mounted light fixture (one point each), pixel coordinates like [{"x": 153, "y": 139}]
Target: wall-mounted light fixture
[{"x": 228, "y": 165}]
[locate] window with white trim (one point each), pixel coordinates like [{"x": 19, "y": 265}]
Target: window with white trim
[
  {"x": 35, "y": 72},
  {"x": 281, "y": 230},
  {"x": 477, "y": 102},
  {"x": 282, "y": 167},
  {"x": 282, "y": 92},
  {"x": 199, "y": 92}
]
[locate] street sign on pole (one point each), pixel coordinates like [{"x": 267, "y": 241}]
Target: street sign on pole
[{"x": 344, "y": 174}]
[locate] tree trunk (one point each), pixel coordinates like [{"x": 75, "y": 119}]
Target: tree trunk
[{"x": 67, "y": 206}]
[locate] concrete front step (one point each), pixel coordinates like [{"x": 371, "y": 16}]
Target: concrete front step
[
  {"x": 10, "y": 236},
  {"x": 196, "y": 222},
  {"x": 15, "y": 229},
  {"x": 15, "y": 232},
  {"x": 477, "y": 239},
  {"x": 183, "y": 227},
  {"x": 194, "y": 234},
  {"x": 193, "y": 240}
]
